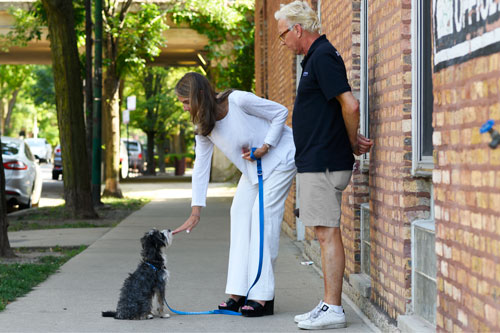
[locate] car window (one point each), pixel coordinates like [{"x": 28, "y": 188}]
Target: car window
[
  {"x": 27, "y": 151},
  {"x": 10, "y": 148},
  {"x": 133, "y": 146},
  {"x": 35, "y": 143}
]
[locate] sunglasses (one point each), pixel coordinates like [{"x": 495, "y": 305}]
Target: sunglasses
[{"x": 283, "y": 34}]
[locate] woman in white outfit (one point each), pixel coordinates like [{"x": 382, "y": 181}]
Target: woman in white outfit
[{"x": 235, "y": 121}]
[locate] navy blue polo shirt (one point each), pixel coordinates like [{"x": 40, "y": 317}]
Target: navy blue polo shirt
[{"x": 319, "y": 132}]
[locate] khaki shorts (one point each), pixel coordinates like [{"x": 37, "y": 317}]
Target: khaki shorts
[{"x": 320, "y": 197}]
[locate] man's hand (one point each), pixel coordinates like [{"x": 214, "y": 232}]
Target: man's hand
[
  {"x": 363, "y": 145},
  {"x": 258, "y": 153}
]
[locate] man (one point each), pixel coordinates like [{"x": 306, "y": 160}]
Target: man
[{"x": 325, "y": 127}]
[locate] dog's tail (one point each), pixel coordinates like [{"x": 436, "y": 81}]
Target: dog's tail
[{"x": 111, "y": 314}]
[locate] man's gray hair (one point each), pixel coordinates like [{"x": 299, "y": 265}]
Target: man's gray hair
[{"x": 299, "y": 12}]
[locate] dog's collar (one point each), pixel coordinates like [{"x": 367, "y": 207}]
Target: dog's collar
[{"x": 152, "y": 266}]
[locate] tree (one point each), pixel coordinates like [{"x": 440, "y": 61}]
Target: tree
[
  {"x": 158, "y": 113},
  {"x": 223, "y": 24},
  {"x": 69, "y": 105},
  {"x": 5, "y": 249},
  {"x": 130, "y": 39},
  {"x": 12, "y": 78}
]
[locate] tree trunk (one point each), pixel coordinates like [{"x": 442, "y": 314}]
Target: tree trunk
[
  {"x": 151, "y": 85},
  {"x": 69, "y": 105},
  {"x": 111, "y": 129},
  {"x": 151, "y": 153},
  {"x": 12, "y": 103},
  {"x": 161, "y": 153},
  {"x": 3, "y": 112},
  {"x": 5, "y": 249}
]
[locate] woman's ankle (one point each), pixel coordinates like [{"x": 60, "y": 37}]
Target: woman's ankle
[{"x": 235, "y": 297}]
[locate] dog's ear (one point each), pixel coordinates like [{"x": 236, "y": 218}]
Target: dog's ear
[{"x": 144, "y": 239}]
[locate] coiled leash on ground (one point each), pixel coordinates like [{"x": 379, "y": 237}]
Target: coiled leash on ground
[{"x": 261, "y": 247}]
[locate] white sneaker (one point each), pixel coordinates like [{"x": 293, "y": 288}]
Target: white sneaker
[
  {"x": 323, "y": 319},
  {"x": 304, "y": 316}
]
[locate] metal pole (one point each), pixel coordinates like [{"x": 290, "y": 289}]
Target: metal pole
[
  {"x": 88, "y": 79},
  {"x": 96, "y": 138},
  {"x": 128, "y": 152}
]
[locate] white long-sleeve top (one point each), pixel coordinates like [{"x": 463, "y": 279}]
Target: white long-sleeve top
[{"x": 250, "y": 122}]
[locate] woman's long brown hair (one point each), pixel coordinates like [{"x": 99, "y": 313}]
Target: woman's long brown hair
[{"x": 203, "y": 100}]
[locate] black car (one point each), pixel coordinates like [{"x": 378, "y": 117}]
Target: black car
[{"x": 58, "y": 168}]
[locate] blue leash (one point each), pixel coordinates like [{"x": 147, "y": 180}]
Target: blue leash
[
  {"x": 261, "y": 247},
  {"x": 261, "y": 217}
]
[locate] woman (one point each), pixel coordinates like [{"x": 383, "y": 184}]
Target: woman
[{"x": 235, "y": 121}]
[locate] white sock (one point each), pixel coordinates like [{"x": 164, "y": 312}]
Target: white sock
[{"x": 336, "y": 308}]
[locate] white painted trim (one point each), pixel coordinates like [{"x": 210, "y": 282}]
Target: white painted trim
[
  {"x": 420, "y": 165},
  {"x": 299, "y": 226},
  {"x": 364, "y": 77}
]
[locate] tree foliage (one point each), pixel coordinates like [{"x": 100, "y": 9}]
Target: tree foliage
[
  {"x": 28, "y": 24},
  {"x": 12, "y": 79},
  {"x": 159, "y": 115},
  {"x": 224, "y": 23},
  {"x": 130, "y": 39}
]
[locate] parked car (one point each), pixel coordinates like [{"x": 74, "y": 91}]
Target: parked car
[
  {"x": 40, "y": 148},
  {"x": 135, "y": 155},
  {"x": 58, "y": 167},
  {"x": 124, "y": 161},
  {"x": 23, "y": 177}
]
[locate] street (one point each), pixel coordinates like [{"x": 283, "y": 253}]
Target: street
[{"x": 52, "y": 190}]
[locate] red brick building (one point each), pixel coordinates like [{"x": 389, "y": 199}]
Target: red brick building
[{"x": 421, "y": 218}]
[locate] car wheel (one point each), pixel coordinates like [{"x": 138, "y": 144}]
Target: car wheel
[
  {"x": 25, "y": 206},
  {"x": 55, "y": 175}
]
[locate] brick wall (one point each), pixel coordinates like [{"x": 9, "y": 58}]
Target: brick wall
[
  {"x": 467, "y": 196},
  {"x": 340, "y": 22},
  {"x": 275, "y": 68},
  {"x": 396, "y": 198}
]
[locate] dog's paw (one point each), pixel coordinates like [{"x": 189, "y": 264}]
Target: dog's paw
[
  {"x": 150, "y": 316},
  {"x": 166, "y": 315}
]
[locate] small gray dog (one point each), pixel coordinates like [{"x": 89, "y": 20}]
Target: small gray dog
[{"x": 147, "y": 284}]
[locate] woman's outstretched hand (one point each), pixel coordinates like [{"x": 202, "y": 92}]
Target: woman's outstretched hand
[
  {"x": 191, "y": 222},
  {"x": 258, "y": 153}
]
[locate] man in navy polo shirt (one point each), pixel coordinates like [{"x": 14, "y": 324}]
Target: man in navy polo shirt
[{"x": 325, "y": 128}]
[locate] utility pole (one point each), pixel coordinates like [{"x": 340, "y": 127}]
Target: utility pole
[
  {"x": 97, "y": 109},
  {"x": 88, "y": 80}
]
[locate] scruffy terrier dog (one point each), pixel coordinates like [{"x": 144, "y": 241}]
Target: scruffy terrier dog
[{"x": 143, "y": 291}]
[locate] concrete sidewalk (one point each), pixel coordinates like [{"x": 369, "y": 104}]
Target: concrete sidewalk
[{"x": 72, "y": 299}]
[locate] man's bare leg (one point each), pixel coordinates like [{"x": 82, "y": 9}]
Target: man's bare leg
[{"x": 332, "y": 261}]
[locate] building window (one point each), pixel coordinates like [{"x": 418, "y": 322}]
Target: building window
[
  {"x": 424, "y": 270},
  {"x": 422, "y": 106}
]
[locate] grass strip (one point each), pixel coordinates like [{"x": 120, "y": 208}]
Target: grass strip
[
  {"x": 17, "y": 280},
  {"x": 58, "y": 217}
]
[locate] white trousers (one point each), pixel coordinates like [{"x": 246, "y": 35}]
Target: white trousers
[{"x": 245, "y": 235}]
